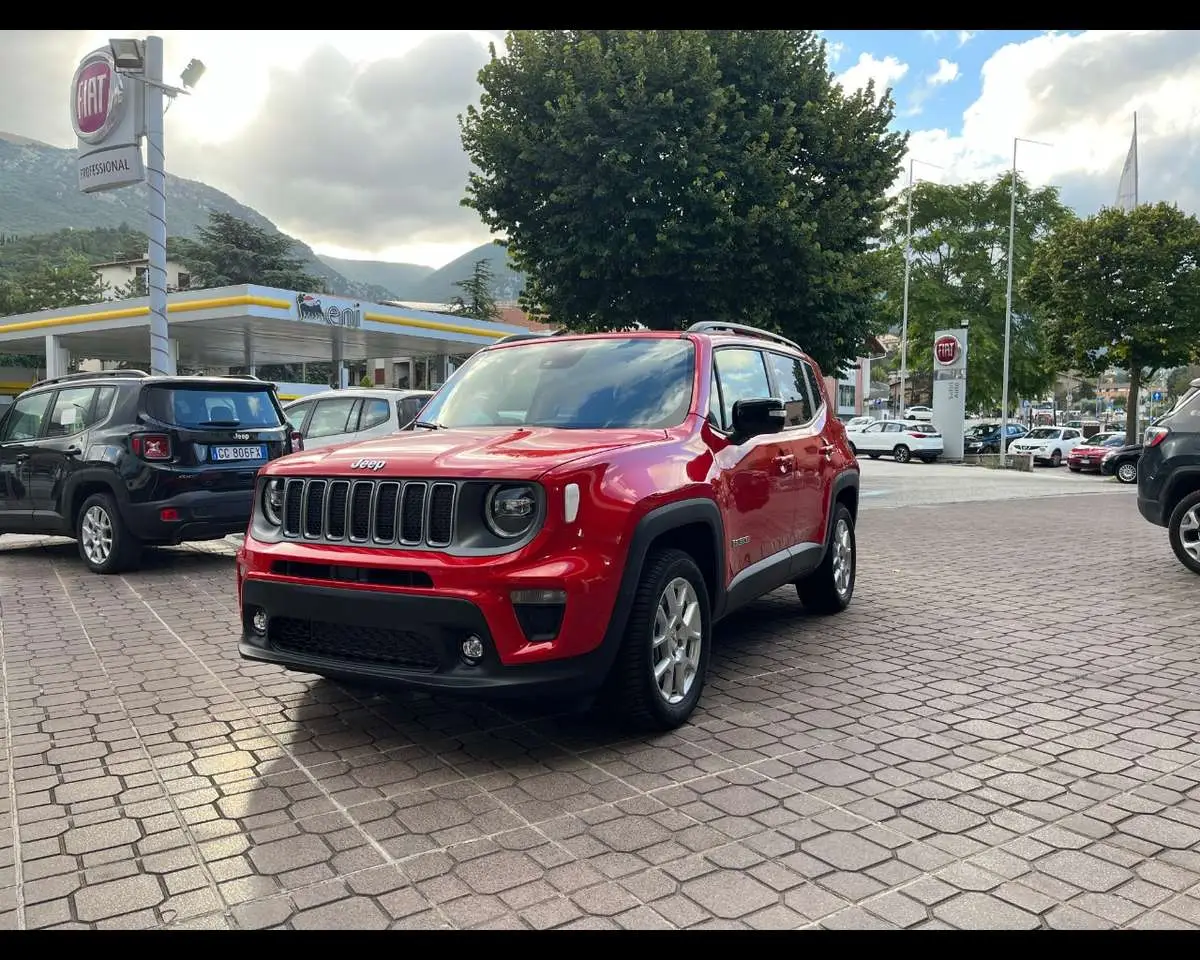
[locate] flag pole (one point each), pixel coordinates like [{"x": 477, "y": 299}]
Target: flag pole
[{"x": 1135, "y": 160}]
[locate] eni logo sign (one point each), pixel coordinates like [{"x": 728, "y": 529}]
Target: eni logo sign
[{"x": 310, "y": 307}]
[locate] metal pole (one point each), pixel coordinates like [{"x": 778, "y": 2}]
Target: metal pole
[
  {"x": 907, "y": 275},
  {"x": 1012, "y": 235},
  {"x": 156, "y": 181}
]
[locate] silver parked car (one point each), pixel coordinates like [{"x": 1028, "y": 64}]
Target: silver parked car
[{"x": 334, "y": 417}]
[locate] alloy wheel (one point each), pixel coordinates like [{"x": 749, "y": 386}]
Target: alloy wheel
[
  {"x": 1189, "y": 533},
  {"x": 678, "y": 639},
  {"x": 96, "y": 535},
  {"x": 843, "y": 557}
]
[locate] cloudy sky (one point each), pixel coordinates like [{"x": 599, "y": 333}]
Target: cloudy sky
[{"x": 349, "y": 140}]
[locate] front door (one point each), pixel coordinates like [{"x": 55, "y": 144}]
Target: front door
[
  {"x": 756, "y": 477},
  {"x": 19, "y": 430}
]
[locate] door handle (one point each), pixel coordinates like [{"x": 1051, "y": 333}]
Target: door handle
[
  {"x": 786, "y": 461},
  {"x": 72, "y": 451},
  {"x": 827, "y": 449},
  {"x": 21, "y": 457}
]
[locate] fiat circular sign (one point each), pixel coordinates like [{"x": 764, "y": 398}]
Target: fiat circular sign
[
  {"x": 96, "y": 97},
  {"x": 946, "y": 350}
]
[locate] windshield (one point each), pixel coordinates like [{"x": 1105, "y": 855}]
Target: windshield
[
  {"x": 574, "y": 384},
  {"x": 208, "y": 405},
  {"x": 1042, "y": 433}
]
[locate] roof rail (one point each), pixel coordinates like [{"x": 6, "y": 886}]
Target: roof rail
[
  {"x": 514, "y": 337},
  {"x": 239, "y": 376},
  {"x": 718, "y": 326},
  {"x": 83, "y": 375}
]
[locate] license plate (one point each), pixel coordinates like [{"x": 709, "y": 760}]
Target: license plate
[
  {"x": 239, "y": 453},
  {"x": 1086, "y": 460}
]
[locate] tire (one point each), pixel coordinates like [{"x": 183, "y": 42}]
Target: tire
[
  {"x": 873, "y": 456},
  {"x": 830, "y": 588},
  {"x": 1127, "y": 472},
  {"x": 1056, "y": 458},
  {"x": 632, "y": 692},
  {"x": 105, "y": 544},
  {"x": 1184, "y": 531},
  {"x": 902, "y": 453},
  {"x": 853, "y": 448}
]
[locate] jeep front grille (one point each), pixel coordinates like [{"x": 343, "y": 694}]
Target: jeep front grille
[{"x": 408, "y": 513}]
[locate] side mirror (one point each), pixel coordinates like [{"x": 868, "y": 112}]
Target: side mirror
[{"x": 752, "y": 418}]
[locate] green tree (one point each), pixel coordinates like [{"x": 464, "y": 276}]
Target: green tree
[
  {"x": 69, "y": 282},
  {"x": 960, "y": 274},
  {"x": 660, "y": 177},
  {"x": 1180, "y": 379},
  {"x": 1122, "y": 289},
  {"x": 230, "y": 251},
  {"x": 477, "y": 300}
]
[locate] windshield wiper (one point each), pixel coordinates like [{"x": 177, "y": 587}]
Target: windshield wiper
[
  {"x": 427, "y": 425},
  {"x": 219, "y": 423}
]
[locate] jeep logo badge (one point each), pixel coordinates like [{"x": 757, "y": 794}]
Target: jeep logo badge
[
  {"x": 241, "y": 436},
  {"x": 375, "y": 465}
]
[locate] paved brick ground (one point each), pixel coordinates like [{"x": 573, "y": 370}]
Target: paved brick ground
[{"x": 987, "y": 739}]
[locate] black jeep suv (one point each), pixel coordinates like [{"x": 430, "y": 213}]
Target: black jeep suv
[
  {"x": 1169, "y": 476},
  {"x": 123, "y": 459}
]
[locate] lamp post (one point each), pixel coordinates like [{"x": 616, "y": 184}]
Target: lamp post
[
  {"x": 142, "y": 60},
  {"x": 907, "y": 277},
  {"x": 1012, "y": 235}
]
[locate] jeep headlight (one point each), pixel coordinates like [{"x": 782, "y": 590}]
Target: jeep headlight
[
  {"x": 510, "y": 510},
  {"x": 272, "y": 502}
]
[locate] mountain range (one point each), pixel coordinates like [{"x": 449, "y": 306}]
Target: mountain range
[{"x": 39, "y": 194}]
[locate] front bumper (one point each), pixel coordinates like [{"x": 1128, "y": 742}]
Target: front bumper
[
  {"x": 199, "y": 515},
  {"x": 1085, "y": 463}
]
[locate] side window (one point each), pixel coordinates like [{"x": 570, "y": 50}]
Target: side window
[
  {"x": 715, "y": 416},
  {"x": 408, "y": 408},
  {"x": 104, "y": 403},
  {"x": 816, "y": 389},
  {"x": 25, "y": 419},
  {"x": 743, "y": 376},
  {"x": 791, "y": 386},
  {"x": 331, "y": 416},
  {"x": 893, "y": 428},
  {"x": 374, "y": 412},
  {"x": 295, "y": 414},
  {"x": 874, "y": 428},
  {"x": 72, "y": 412}
]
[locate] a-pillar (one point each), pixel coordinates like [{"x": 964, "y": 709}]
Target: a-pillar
[{"x": 58, "y": 357}]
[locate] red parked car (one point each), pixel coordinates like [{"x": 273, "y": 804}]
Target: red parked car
[
  {"x": 570, "y": 514},
  {"x": 1091, "y": 452}
]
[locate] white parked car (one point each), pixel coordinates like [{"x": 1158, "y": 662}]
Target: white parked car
[
  {"x": 857, "y": 423},
  {"x": 1049, "y": 445},
  {"x": 356, "y": 413},
  {"x": 902, "y": 439},
  {"x": 919, "y": 412}
]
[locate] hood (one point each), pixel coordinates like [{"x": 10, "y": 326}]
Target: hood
[{"x": 523, "y": 453}]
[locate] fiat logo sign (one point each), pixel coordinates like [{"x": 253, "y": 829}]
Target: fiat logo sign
[
  {"x": 96, "y": 97},
  {"x": 946, "y": 350}
]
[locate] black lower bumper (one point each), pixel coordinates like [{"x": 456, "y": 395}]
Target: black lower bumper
[
  {"x": 199, "y": 515},
  {"x": 1152, "y": 510},
  {"x": 400, "y": 639}
]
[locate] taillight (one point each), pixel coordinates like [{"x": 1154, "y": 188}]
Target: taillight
[
  {"x": 297, "y": 441},
  {"x": 151, "y": 446},
  {"x": 919, "y": 436},
  {"x": 1155, "y": 436}
]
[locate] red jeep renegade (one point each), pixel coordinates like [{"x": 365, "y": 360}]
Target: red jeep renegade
[{"x": 569, "y": 514}]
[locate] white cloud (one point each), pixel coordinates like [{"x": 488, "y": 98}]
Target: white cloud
[
  {"x": 834, "y": 51},
  {"x": 884, "y": 72},
  {"x": 965, "y": 37},
  {"x": 946, "y": 72},
  {"x": 934, "y": 35},
  {"x": 1079, "y": 93}
]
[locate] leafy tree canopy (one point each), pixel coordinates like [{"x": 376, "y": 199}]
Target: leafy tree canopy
[
  {"x": 230, "y": 251},
  {"x": 68, "y": 282},
  {"x": 476, "y": 300},
  {"x": 664, "y": 177},
  {"x": 960, "y": 275},
  {"x": 1122, "y": 289}
]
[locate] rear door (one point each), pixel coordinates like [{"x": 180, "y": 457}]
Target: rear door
[
  {"x": 375, "y": 418},
  {"x": 229, "y": 427},
  {"x": 804, "y": 482}
]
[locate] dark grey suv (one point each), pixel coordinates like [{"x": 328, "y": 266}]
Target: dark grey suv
[{"x": 1169, "y": 476}]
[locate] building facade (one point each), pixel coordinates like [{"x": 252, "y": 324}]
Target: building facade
[{"x": 116, "y": 275}]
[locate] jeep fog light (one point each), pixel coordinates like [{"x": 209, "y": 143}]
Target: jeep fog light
[
  {"x": 472, "y": 650},
  {"x": 259, "y": 621},
  {"x": 510, "y": 511},
  {"x": 273, "y": 502}
]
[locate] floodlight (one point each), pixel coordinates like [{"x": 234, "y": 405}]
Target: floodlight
[
  {"x": 128, "y": 54},
  {"x": 192, "y": 73}
]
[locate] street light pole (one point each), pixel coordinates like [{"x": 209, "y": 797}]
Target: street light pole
[
  {"x": 1012, "y": 236},
  {"x": 161, "y": 361}
]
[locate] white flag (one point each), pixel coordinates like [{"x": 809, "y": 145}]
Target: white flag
[{"x": 1127, "y": 190}]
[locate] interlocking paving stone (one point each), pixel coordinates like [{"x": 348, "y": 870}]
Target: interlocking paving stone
[{"x": 944, "y": 765}]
